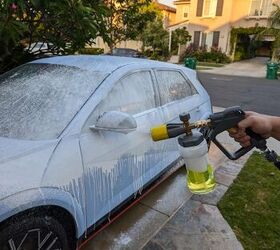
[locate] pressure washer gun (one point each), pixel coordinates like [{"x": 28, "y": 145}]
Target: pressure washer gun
[{"x": 193, "y": 146}]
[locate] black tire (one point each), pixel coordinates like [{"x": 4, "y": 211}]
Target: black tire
[{"x": 25, "y": 232}]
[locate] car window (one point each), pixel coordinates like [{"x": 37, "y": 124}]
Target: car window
[
  {"x": 173, "y": 86},
  {"x": 132, "y": 94},
  {"x": 37, "y": 101}
]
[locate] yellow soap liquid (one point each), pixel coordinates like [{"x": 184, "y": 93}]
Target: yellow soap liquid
[{"x": 201, "y": 182}]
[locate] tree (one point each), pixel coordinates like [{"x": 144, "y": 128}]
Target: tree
[
  {"x": 65, "y": 24},
  {"x": 275, "y": 31},
  {"x": 156, "y": 37},
  {"x": 180, "y": 37},
  {"x": 127, "y": 19}
]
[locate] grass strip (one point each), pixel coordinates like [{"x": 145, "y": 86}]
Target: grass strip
[{"x": 252, "y": 205}]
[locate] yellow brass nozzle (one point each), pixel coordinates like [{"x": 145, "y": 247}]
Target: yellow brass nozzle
[{"x": 159, "y": 133}]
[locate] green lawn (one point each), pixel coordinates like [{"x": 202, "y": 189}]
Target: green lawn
[{"x": 252, "y": 205}]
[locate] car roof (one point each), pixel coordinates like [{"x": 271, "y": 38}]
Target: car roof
[{"x": 102, "y": 63}]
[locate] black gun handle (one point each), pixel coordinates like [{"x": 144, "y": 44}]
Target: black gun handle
[
  {"x": 233, "y": 156},
  {"x": 256, "y": 141}
]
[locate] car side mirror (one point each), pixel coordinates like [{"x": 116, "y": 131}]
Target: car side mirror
[{"x": 115, "y": 121}]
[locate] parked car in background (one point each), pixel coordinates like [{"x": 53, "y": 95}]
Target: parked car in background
[
  {"x": 75, "y": 144},
  {"x": 39, "y": 47},
  {"x": 127, "y": 53}
]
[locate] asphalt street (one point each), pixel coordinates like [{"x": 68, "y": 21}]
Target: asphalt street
[{"x": 256, "y": 94}]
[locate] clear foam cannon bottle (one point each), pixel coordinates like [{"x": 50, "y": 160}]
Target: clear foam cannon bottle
[{"x": 200, "y": 174}]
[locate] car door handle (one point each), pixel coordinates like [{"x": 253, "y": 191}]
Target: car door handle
[{"x": 197, "y": 110}]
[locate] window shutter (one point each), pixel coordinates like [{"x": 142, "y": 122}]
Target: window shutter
[
  {"x": 196, "y": 39},
  {"x": 216, "y": 38},
  {"x": 220, "y": 5},
  {"x": 199, "y": 7}
]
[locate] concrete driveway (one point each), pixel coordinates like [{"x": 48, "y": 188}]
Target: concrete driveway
[{"x": 255, "y": 67}]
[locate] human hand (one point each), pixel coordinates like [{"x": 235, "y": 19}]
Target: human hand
[{"x": 258, "y": 123}]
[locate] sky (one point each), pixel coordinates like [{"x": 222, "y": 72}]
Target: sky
[{"x": 168, "y": 2}]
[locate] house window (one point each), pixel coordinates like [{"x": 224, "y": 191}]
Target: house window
[
  {"x": 260, "y": 8},
  {"x": 216, "y": 38},
  {"x": 209, "y": 8}
]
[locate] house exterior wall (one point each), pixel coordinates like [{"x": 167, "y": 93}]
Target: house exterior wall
[
  {"x": 130, "y": 44},
  {"x": 210, "y": 24},
  {"x": 235, "y": 13},
  {"x": 240, "y": 16},
  {"x": 169, "y": 17},
  {"x": 181, "y": 8}
]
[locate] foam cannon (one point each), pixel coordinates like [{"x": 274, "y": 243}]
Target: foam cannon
[{"x": 193, "y": 145}]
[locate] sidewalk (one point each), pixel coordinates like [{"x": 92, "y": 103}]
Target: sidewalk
[{"x": 255, "y": 67}]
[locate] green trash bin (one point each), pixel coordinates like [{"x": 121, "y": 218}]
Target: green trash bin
[
  {"x": 272, "y": 70},
  {"x": 190, "y": 62}
]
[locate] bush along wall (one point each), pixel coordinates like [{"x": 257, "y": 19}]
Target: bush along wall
[{"x": 215, "y": 55}]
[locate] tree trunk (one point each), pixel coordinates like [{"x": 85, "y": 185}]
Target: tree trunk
[
  {"x": 274, "y": 56},
  {"x": 111, "y": 45},
  {"x": 233, "y": 51}
]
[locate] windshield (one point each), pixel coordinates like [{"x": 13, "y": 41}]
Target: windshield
[{"x": 37, "y": 101}]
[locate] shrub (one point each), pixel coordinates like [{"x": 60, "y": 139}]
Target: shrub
[
  {"x": 240, "y": 54},
  {"x": 157, "y": 54},
  {"x": 203, "y": 55}
]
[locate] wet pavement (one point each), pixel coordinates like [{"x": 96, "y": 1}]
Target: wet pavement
[{"x": 196, "y": 226}]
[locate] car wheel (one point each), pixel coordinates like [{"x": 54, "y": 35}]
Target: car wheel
[{"x": 33, "y": 233}]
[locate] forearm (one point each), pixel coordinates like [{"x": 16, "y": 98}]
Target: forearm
[{"x": 275, "y": 133}]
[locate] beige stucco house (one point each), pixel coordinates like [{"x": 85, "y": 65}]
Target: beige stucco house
[{"x": 210, "y": 21}]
